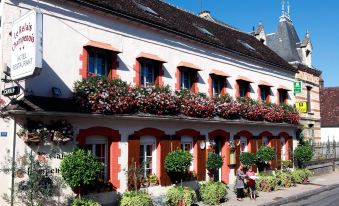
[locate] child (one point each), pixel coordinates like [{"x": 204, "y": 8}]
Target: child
[{"x": 251, "y": 183}]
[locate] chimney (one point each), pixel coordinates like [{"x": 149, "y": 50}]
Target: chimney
[{"x": 321, "y": 83}]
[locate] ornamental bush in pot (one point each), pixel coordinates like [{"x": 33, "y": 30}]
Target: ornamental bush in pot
[
  {"x": 248, "y": 159},
  {"x": 213, "y": 193},
  {"x": 264, "y": 155},
  {"x": 136, "y": 198},
  {"x": 177, "y": 163},
  {"x": 303, "y": 154},
  {"x": 214, "y": 163},
  {"x": 80, "y": 170},
  {"x": 180, "y": 196}
]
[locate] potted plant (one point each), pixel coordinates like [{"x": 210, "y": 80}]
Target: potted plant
[
  {"x": 180, "y": 196},
  {"x": 248, "y": 159},
  {"x": 177, "y": 163},
  {"x": 153, "y": 180},
  {"x": 62, "y": 132},
  {"x": 33, "y": 132},
  {"x": 264, "y": 155},
  {"x": 80, "y": 170},
  {"x": 214, "y": 163}
]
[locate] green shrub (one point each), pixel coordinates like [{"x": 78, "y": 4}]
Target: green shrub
[
  {"x": 134, "y": 198},
  {"x": 178, "y": 194},
  {"x": 80, "y": 169},
  {"x": 84, "y": 202},
  {"x": 267, "y": 183},
  {"x": 303, "y": 154},
  {"x": 214, "y": 161},
  {"x": 301, "y": 175},
  {"x": 248, "y": 159},
  {"x": 213, "y": 192},
  {"x": 285, "y": 179},
  {"x": 178, "y": 161},
  {"x": 265, "y": 154}
]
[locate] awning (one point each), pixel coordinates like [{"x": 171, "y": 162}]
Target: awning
[
  {"x": 264, "y": 83},
  {"x": 150, "y": 56},
  {"x": 102, "y": 46},
  {"x": 219, "y": 72},
  {"x": 242, "y": 78},
  {"x": 281, "y": 87},
  {"x": 188, "y": 65}
]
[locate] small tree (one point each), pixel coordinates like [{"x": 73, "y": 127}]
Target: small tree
[
  {"x": 248, "y": 159},
  {"x": 264, "y": 155},
  {"x": 80, "y": 169},
  {"x": 214, "y": 163},
  {"x": 177, "y": 163},
  {"x": 303, "y": 154}
]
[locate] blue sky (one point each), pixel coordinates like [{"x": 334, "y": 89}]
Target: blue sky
[{"x": 321, "y": 18}]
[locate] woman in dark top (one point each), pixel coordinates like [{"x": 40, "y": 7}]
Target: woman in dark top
[{"x": 240, "y": 183}]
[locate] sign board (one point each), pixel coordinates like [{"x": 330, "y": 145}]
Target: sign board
[
  {"x": 301, "y": 107},
  {"x": 3, "y": 134},
  {"x": 26, "y": 55},
  {"x": 298, "y": 87},
  {"x": 11, "y": 91}
]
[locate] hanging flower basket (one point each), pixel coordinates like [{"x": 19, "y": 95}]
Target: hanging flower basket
[{"x": 60, "y": 138}]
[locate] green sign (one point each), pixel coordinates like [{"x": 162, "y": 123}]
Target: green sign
[{"x": 297, "y": 87}]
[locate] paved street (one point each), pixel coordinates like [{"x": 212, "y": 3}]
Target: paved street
[
  {"x": 328, "y": 198},
  {"x": 267, "y": 198}
]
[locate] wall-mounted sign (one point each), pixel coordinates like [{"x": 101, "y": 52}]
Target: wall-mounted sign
[
  {"x": 11, "y": 91},
  {"x": 298, "y": 87},
  {"x": 3, "y": 134},
  {"x": 26, "y": 45},
  {"x": 301, "y": 107}
]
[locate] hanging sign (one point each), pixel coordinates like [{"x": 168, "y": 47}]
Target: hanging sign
[
  {"x": 11, "y": 91},
  {"x": 301, "y": 107},
  {"x": 297, "y": 87},
  {"x": 26, "y": 55}
]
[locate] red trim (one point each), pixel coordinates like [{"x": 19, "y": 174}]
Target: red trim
[
  {"x": 225, "y": 152},
  {"x": 177, "y": 77},
  {"x": 210, "y": 83},
  {"x": 266, "y": 134},
  {"x": 188, "y": 132},
  {"x": 136, "y": 79},
  {"x": 284, "y": 134},
  {"x": 259, "y": 93},
  {"x": 237, "y": 89},
  {"x": 83, "y": 59},
  {"x": 114, "y": 152}
]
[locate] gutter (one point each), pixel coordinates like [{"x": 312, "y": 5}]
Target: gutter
[
  {"x": 180, "y": 34},
  {"x": 144, "y": 117}
]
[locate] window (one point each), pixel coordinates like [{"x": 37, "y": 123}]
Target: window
[
  {"x": 309, "y": 99},
  {"x": 311, "y": 132},
  {"x": 218, "y": 84},
  {"x": 265, "y": 141},
  {"x": 147, "y": 155},
  {"x": 98, "y": 147},
  {"x": 243, "y": 144},
  {"x": 186, "y": 78},
  {"x": 264, "y": 93},
  {"x": 243, "y": 88},
  {"x": 282, "y": 96},
  {"x": 187, "y": 145},
  {"x": 283, "y": 148},
  {"x": 147, "y": 72},
  {"x": 97, "y": 62}
]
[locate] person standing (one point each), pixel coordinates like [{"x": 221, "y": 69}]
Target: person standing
[
  {"x": 240, "y": 183},
  {"x": 251, "y": 183}
]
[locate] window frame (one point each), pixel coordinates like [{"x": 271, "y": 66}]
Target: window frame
[
  {"x": 98, "y": 140},
  {"x": 283, "y": 95},
  {"x": 191, "y": 75},
  {"x": 308, "y": 96},
  {"x": 283, "y": 148},
  {"x": 94, "y": 52},
  {"x": 243, "y": 140},
  {"x": 218, "y": 81},
  {"x": 243, "y": 88},
  {"x": 144, "y": 142},
  {"x": 145, "y": 72},
  {"x": 187, "y": 140},
  {"x": 264, "y": 93}
]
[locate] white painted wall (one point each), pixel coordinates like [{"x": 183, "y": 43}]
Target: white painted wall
[
  {"x": 329, "y": 133},
  {"x": 66, "y": 32}
]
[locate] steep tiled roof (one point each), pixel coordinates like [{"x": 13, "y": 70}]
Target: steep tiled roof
[
  {"x": 171, "y": 19},
  {"x": 329, "y": 105},
  {"x": 307, "y": 69}
]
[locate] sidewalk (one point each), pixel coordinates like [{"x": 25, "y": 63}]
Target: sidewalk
[{"x": 317, "y": 184}]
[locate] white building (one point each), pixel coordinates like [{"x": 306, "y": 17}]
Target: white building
[{"x": 139, "y": 42}]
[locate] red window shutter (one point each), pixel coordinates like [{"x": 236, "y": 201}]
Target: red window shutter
[
  {"x": 237, "y": 155},
  {"x": 133, "y": 157},
  {"x": 278, "y": 153},
  {"x": 165, "y": 148},
  {"x": 201, "y": 173},
  {"x": 274, "y": 146},
  {"x": 290, "y": 148},
  {"x": 176, "y": 143},
  {"x": 253, "y": 150},
  {"x": 259, "y": 143}
]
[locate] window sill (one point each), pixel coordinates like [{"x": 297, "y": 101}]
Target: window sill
[{"x": 310, "y": 113}]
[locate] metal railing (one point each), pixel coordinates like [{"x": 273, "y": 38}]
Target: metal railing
[{"x": 325, "y": 150}]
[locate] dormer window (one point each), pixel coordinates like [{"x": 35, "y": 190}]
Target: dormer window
[
  {"x": 203, "y": 30},
  {"x": 307, "y": 52},
  {"x": 147, "y": 9}
]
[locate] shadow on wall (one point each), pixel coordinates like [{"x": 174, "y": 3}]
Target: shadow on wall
[{"x": 42, "y": 84}]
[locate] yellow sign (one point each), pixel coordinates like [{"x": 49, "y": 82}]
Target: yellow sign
[{"x": 301, "y": 107}]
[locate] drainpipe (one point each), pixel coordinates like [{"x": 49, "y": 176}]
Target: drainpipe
[{"x": 13, "y": 161}]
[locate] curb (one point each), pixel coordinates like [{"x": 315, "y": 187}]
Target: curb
[{"x": 300, "y": 196}]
